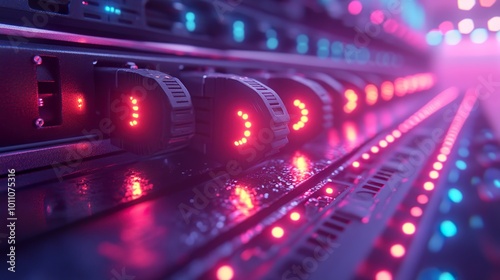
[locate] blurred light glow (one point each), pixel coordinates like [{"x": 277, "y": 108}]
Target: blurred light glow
[
  {"x": 302, "y": 44},
  {"x": 355, "y": 7},
  {"x": 437, "y": 165},
  {"x": 277, "y": 232},
  {"x": 239, "y": 31},
  {"x": 428, "y": 186},
  {"x": 479, "y": 36},
  {"x": 365, "y": 156},
  {"x": 448, "y": 228},
  {"x": 455, "y": 195},
  {"x": 466, "y": 25},
  {"x": 434, "y": 174},
  {"x": 352, "y": 101},
  {"x": 329, "y": 190},
  {"x": 190, "y": 21},
  {"x": 355, "y": 164},
  {"x": 387, "y": 89},
  {"x": 295, "y": 216},
  {"x": 422, "y": 199},
  {"x": 466, "y": 5},
  {"x": 323, "y": 48},
  {"x": 446, "y": 276},
  {"x": 452, "y": 37},
  {"x": 371, "y": 94},
  {"x": 476, "y": 222},
  {"x": 383, "y": 275},
  {"x": 416, "y": 211},
  {"x": 397, "y": 250},
  {"x": 446, "y": 26},
  {"x": 272, "y": 39},
  {"x": 374, "y": 149},
  {"x": 487, "y": 3},
  {"x": 225, "y": 272},
  {"x": 494, "y": 24},
  {"x": 461, "y": 164},
  {"x": 377, "y": 17},
  {"x": 408, "y": 228}
]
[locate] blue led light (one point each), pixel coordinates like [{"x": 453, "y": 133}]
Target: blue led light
[
  {"x": 272, "y": 40},
  {"x": 337, "y": 49},
  {"x": 190, "y": 21},
  {"x": 435, "y": 243},
  {"x": 238, "y": 31},
  {"x": 476, "y": 222},
  {"x": 434, "y": 37},
  {"x": 479, "y": 36},
  {"x": 302, "y": 44},
  {"x": 461, "y": 164},
  {"x": 448, "y": 228},
  {"x": 446, "y": 276},
  {"x": 111, "y": 9},
  {"x": 455, "y": 195},
  {"x": 453, "y": 176},
  {"x": 463, "y": 152},
  {"x": 496, "y": 182},
  {"x": 323, "y": 48}
]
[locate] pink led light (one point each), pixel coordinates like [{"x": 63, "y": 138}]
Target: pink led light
[
  {"x": 422, "y": 199},
  {"x": 446, "y": 26},
  {"x": 377, "y": 17},
  {"x": 365, "y": 156},
  {"x": 355, "y": 7},
  {"x": 416, "y": 211},
  {"x": 383, "y": 275},
  {"x": 374, "y": 149},
  {"x": 466, "y": 25},
  {"x": 382, "y": 143},
  {"x": 389, "y": 138},
  {"x": 487, "y": 3}
]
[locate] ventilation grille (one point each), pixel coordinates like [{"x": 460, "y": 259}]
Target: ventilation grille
[{"x": 270, "y": 97}]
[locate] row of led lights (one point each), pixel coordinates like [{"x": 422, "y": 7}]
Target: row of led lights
[
  {"x": 226, "y": 272},
  {"x": 388, "y": 89},
  {"x": 466, "y": 5},
  {"x": 453, "y": 36},
  {"x": 447, "y": 228},
  {"x": 408, "y": 228}
]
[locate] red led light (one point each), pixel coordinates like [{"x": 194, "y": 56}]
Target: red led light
[
  {"x": 329, "y": 190},
  {"x": 277, "y": 232},
  {"x": 355, "y": 164},
  {"x": 355, "y": 7},
  {"x": 383, "y": 275},
  {"x": 371, "y": 94},
  {"x": 374, "y": 149},
  {"x": 397, "y": 250},
  {"x": 135, "y": 109},
  {"x": 433, "y": 174},
  {"x": 422, "y": 199},
  {"x": 352, "y": 101},
  {"x": 246, "y": 132},
  {"x": 225, "y": 272},
  {"x": 416, "y": 211},
  {"x": 387, "y": 90},
  {"x": 365, "y": 156},
  {"x": 303, "y": 114},
  {"x": 408, "y": 228},
  {"x": 80, "y": 103},
  {"x": 295, "y": 216},
  {"x": 428, "y": 186}
]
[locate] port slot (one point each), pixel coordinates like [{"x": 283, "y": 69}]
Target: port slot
[
  {"x": 49, "y": 92},
  {"x": 51, "y": 6}
]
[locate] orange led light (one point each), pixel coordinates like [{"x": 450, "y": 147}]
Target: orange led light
[
  {"x": 80, "y": 103},
  {"x": 352, "y": 101},
  {"x": 329, "y": 190},
  {"x": 277, "y": 232},
  {"x": 303, "y": 115},
  {"x": 295, "y": 216},
  {"x": 355, "y": 164},
  {"x": 428, "y": 186},
  {"x": 397, "y": 250},
  {"x": 387, "y": 89},
  {"x": 135, "y": 109},
  {"x": 247, "y": 131},
  {"x": 225, "y": 273},
  {"x": 383, "y": 275},
  {"x": 408, "y": 228},
  {"x": 433, "y": 174},
  {"x": 371, "y": 94}
]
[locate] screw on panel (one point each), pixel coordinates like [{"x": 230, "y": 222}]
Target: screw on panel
[
  {"x": 39, "y": 122},
  {"x": 37, "y": 59}
]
